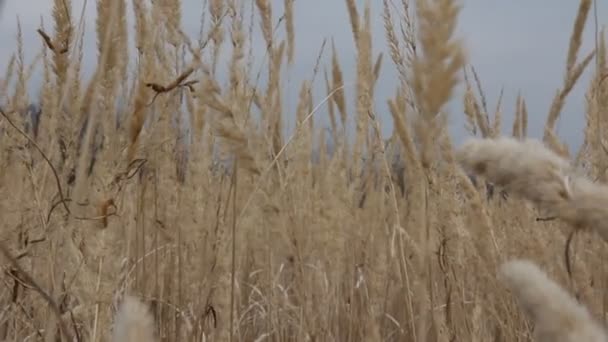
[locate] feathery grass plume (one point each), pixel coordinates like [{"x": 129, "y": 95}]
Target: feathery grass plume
[
  {"x": 577, "y": 33},
  {"x": 397, "y": 108},
  {"x": 338, "y": 83},
  {"x": 133, "y": 322},
  {"x": 409, "y": 33},
  {"x": 397, "y": 55},
  {"x": 76, "y": 84},
  {"x": 237, "y": 35},
  {"x": 48, "y": 93},
  {"x": 289, "y": 27},
  {"x": 586, "y": 206},
  {"x": 558, "y": 103},
  {"x": 478, "y": 116},
  {"x": 556, "y": 315},
  {"x": 307, "y": 105},
  {"x": 433, "y": 79},
  {"x": 199, "y": 116},
  {"x": 226, "y": 127},
  {"x": 8, "y": 76},
  {"x": 516, "y": 130},
  {"x": 572, "y": 74},
  {"x": 473, "y": 111},
  {"x": 216, "y": 9},
  {"x": 497, "y": 125},
  {"x": 376, "y": 73},
  {"x": 99, "y": 97},
  {"x": 111, "y": 39},
  {"x": 401, "y": 59},
  {"x": 265, "y": 10},
  {"x": 435, "y": 70},
  {"x": 62, "y": 40},
  {"x": 273, "y": 99},
  {"x": 524, "y": 119},
  {"x": 141, "y": 98},
  {"x": 596, "y": 100},
  {"x": 20, "y": 99},
  {"x": 353, "y": 15},
  {"x": 142, "y": 26},
  {"x": 365, "y": 78},
  {"x": 526, "y": 168},
  {"x": 331, "y": 110},
  {"x": 303, "y": 142},
  {"x": 407, "y": 28},
  {"x": 601, "y": 51},
  {"x": 112, "y": 66},
  {"x": 174, "y": 19},
  {"x": 137, "y": 118},
  {"x": 482, "y": 95}
]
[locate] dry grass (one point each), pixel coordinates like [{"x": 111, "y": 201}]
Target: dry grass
[{"x": 232, "y": 230}]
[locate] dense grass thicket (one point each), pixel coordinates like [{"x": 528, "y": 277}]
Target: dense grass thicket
[{"x": 162, "y": 199}]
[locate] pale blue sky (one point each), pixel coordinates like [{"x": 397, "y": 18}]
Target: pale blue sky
[{"x": 519, "y": 45}]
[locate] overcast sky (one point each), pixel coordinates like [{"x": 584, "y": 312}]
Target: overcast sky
[{"x": 518, "y": 45}]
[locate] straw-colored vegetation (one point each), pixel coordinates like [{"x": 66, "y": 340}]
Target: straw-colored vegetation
[{"x": 162, "y": 199}]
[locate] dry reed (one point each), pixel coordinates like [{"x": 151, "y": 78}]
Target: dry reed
[{"x": 168, "y": 175}]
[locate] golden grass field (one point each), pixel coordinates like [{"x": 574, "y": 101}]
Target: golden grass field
[{"x": 117, "y": 226}]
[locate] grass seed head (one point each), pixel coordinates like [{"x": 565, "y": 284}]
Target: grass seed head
[
  {"x": 586, "y": 208},
  {"x": 526, "y": 168},
  {"x": 133, "y": 322},
  {"x": 556, "y": 315}
]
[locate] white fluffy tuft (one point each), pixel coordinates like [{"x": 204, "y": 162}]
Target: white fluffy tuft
[
  {"x": 133, "y": 322},
  {"x": 557, "y": 316}
]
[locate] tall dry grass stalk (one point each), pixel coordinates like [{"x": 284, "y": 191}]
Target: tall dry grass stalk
[{"x": 572, "y": 74}]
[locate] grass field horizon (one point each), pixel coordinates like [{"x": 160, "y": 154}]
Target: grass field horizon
[{"x": 121, "y": 215}]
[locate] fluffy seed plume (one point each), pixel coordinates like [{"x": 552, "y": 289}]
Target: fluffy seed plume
[
  {"x": 526, "y": 168},
  {"x": 586, "y": 208},
  {"x": 133, "y": 322},
  {"x": 557, "y": 316}
]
